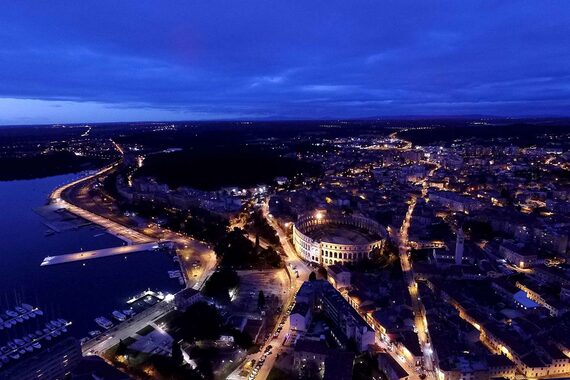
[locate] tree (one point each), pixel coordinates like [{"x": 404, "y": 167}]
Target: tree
[
  {"x": 121, "y": 348},
  {"x": 309, "y": 371},
  {"x": 261, "y": 299},
  {"x": 220, "y": 283},
  {"x": 200, "y": 321},
  {"x": 375, "y": 254},
  {"x": 312, "y": 276},
  {"x": 177, "y": 357}
]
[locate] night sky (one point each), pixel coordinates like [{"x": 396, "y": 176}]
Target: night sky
[{"x": 111, "y": 60}]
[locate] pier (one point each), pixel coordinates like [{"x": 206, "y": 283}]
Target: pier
[
  {"x": 11, "y": 321},
  {"x": 100, "y": 253},
  {"x": 158, "y": 295}
]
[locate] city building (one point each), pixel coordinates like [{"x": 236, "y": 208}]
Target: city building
[
  {"x": 186, "y": 298},
  {"x": 321, "y": 295},
  {"x": 338, "y": 276},
  {"x": 300, "y": 317},
  {"x": 391, "y": 368},
  {"x": 518, "y": 254},
  {"x": 331, "y": 364}
]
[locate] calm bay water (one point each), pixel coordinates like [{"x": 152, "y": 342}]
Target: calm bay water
[{"x": 78, "y": 292}]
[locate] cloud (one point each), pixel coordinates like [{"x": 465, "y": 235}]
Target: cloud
[
  {"x": 283, "y": 59},
  {"x": 327, "y": 88}
]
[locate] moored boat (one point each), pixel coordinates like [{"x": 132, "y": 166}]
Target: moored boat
[
  {"x": 104, "y": 322},
  {"x": 11, "y": 313},
  {"x": 119, "y": 316}
]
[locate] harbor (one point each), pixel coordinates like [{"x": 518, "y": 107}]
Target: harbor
[{"x": 84, "y": 289}]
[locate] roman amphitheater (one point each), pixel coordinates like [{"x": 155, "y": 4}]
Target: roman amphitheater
[{"x": 326, "y": 237}]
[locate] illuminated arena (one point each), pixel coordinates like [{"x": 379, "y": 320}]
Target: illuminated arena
[{"x": 326, "y": 237}]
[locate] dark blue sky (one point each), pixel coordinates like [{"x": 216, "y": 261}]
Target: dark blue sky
[{"x": 109, "y": 60}]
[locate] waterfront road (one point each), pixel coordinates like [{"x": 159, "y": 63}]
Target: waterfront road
[
  {"x": 197, "y": 259},
  {"x": 124, "y": 330},
  {"x": 122, "y": 232}
]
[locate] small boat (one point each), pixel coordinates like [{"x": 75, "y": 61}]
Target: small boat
[
  {"x": 37, "y": 345},
  {"x": 21, "y": 345},
  {"x": 104, "y": 322},
  {"x": 12, "y": 345},
  {"x": 119, "y": 316},
  {"x": 29, "y": 348},
  {"x": 23, "y": 312},
  {"x": 20, "y": 319},
  {"x": 19, "y": 342},
  {"x": 11, "y": 313},
  {"x": 27, "y": 307},
  {"x": 38, "y": 312},
  {"x": 14, "y": 355},
  {"x": 129, "y": 312}
]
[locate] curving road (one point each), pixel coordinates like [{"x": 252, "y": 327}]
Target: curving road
[{"x": 124, "y": 233}]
